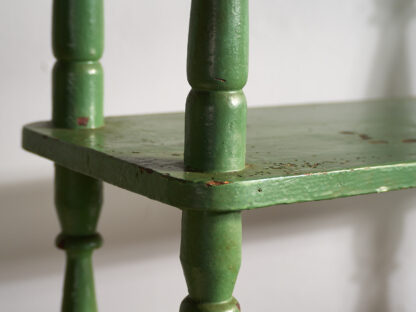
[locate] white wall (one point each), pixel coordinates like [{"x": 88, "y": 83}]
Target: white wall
[{"x": 347, "y": 255}]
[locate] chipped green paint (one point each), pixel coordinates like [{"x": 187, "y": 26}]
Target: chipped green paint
[
  {"x": 78, "y": 104},
  {"x": 78, "y": 30},
  {"x": 79, "y": 291},
  {"x": 215, "y": 123},
  {"x": 78, "y": 200},
  {"x": 215, "y": 141},
  {"x": 211, "y": 258},
  {"x": 77, "y": 82},
  {"x": 77, "y": 95},
  {"x": 218, "y": 45},
  {"x": 215, "y": 131},
  {"x": 294, "y": 154}
]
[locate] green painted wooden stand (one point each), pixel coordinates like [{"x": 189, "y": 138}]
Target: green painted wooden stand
[
  {"x": 78, "y": 36},
  {"x": 213, "y": 169}
]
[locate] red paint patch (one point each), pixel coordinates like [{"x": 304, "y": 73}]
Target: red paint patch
[
  {"x": 83, "y": 121},
  {"x": 216, "y": 183}
]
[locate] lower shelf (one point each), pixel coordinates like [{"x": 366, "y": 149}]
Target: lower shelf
[{"x": 294, "y": 154}]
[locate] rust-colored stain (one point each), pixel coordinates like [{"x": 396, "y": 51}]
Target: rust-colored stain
[
  {"x": 365, "y": 137},
  {"x": 82, "y": 121},
  {"x": 148, "y": 170},
  {"x": 60, "y": 244},
  {"x": 409, "y": 141},
  {"x": 220, "y": 79},
  {"x": 378, "y": 142},
  {"x": 216, "y": 183},
  {"x": 347, "y": 132},
  {"x": 311, "y": 165},
  {"x": 238, "y": 306}
]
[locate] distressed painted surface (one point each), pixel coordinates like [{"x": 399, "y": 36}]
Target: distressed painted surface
[
  {"x": 210, "y": 257},
  {"x": 215, "y": 131},
  {"x": 217, "y": 68},
  {"x": 218, "y": 45},
  {"x": 215, "y": 141},
  {"x": 294, "y": 154},
  {"x": 77, "y": 94},
  {"x": 78, "y": 30},
  {"x": 77, "y": 103},
  {"x": 78, "y": 79}
]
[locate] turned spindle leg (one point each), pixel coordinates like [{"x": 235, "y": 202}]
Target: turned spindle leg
[
  {"x": 215, "y": 119},
  {"x": 78, "y": 201},
  {"x": 215, "y": 141},
  {"x": 78, "y": 31},
  {"x": 210, "y": 257}
]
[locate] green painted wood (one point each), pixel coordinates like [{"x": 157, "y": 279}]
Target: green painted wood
[
  {"x": 78, "y": 94},
  {"x": 78, "y": 30},
  {"x": 78, "y": 200},
  {"x": 78, "y": 43},
  {"x": 215, "y": 141},
  {"x": 77, "y": 98},
  {"x": 215, "y": 123},
  {"x": 79, "y": 272},
  {"x": 218, "y": 45},
  {"x": 294, "y": 154},
  {"x": 211, "y": 258},
  {"x": 79, "y": 291}
]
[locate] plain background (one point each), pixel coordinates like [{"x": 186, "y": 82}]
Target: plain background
[{"x": 349, "y": 255}]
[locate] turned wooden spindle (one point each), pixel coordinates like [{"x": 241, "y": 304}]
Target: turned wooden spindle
[
  {"x": 215, "y": 141},
  {"x": 210, "y": 257},
  {"x": 78, "y": 44},
  {"x": 215, "y": 118},
  {"x": 78, "y": 37},
  {"x": 78, "y": 201}
]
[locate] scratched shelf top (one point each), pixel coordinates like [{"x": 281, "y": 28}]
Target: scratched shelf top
[{"x": 294, "y": 154}]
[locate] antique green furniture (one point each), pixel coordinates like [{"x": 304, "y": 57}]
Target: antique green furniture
[{"x": 202, "y": 162}]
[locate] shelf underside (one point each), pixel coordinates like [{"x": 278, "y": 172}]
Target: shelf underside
[{"x": 294, "y": 154}]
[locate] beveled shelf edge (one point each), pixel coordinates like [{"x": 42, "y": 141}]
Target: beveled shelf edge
[{"x": 242, "y": 195}]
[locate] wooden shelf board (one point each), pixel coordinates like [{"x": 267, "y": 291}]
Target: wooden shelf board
[{"x": 294, "y": 154}]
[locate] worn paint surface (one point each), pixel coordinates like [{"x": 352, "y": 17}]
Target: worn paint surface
[
  {"x": 217, "y": 68},
  {"x": 77, "y": 97},
  {"x": 78, "y": 30},
  {"x": 210, "y": 258},
  {"x": 294, "y": 154},
  {"x": 215, "y": 141},
  {"x": 77, "y": 81},
  {"x": 231, "y": 305},
  {"x": 77, "y": 94},
  {"x": 215, "y": 131}
]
